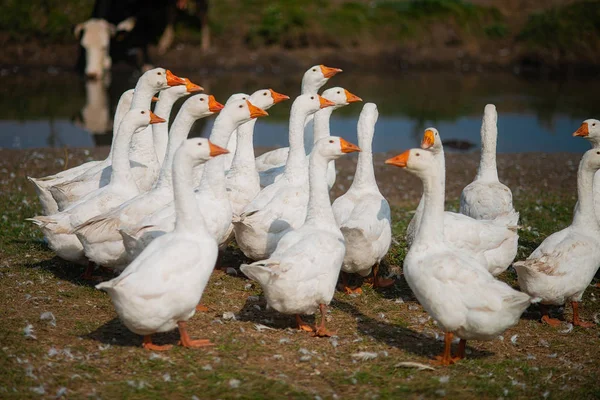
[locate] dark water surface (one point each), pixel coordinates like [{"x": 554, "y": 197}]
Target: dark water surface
[{"x": 56, "y": 109}]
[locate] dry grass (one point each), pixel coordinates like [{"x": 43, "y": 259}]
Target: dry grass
[{"x": 89, "y": 353}]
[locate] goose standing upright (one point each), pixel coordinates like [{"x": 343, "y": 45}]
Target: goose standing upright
[
  {"x": 341, "y": 98},
  {"x": 313, "y": 79},
  {"x": 58, "y": 227},
  {"x": 100, "y": 236},
  {"x": 43, "y": 185},
  {"x": 301, "y": 274},
  {"x": 161, "y": 288},
  {"x": 362, "y": 213},
  {"x": 281, "y": 206},
  {"x": 493, "y": 243},
  {"x": 590, "y": 130},
  {"x": 211, "y": 194},
  {"x": 142, "y": 154},
  {"x": 457, "y": 291},
  {"x": 486, "y": 197},
  {"x": 562, "y": 267}
]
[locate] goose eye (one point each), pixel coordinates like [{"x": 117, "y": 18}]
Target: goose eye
[
  {"x": 594, "y": 124},
  {"x": 598, "y": 152},
  {"x": 417, "y": 154},
  {"x": 200, "y": 144},
  {"x": 314, "y": 70},
  {"x": 312, "y": 97},
  {"x": 159, "y": 73},
  {"x": 331, "y": 141},
  {"x": 265, "y": 93},
  {"x": 201, "y": 99},
  {"x": 241, "y": 106},
  {"x": 143, "y": 112},
  {"x": 339, "y": 92}
]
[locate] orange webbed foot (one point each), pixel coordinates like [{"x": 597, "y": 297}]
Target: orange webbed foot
[
  {"x": 349, "y": 290},
  {"x": 383, "y": 283},
  {"x": 148, "y": 345},
  {"x": 551, "y": 321},
  {"x": 303, "y": 326},
  {"x": 583, "y": 324},
  {"x": 201, "y": 308},
  {"x": 196, "y": 343},
  {"x": 444, "y": 361},
  {"x": 323, "y": 332}
]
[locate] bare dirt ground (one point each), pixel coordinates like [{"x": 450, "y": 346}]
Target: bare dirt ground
[{"x": 82, "y": 350}]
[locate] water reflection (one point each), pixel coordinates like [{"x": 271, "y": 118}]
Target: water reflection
[{"x": 44, "y": 110}]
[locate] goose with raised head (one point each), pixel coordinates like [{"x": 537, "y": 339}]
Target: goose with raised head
[
  {"x": 300, "y": 276},
  {"x": 43, "y": 185},
  {"x": 100, "y": 236},
  {"x": 313, "y": 79},
  {"x": 493, "y": 243},
  {"x": 211, "y": 194},
  {"x": 241, "y": 179},
  {"x": 58, "y": 227},
  {"x": 486, "y": 197},
  {"x": 362, "y": 213},
  {"x": 562, "y": 267},
  {"x": 142, "y": 155},
  {"x": 453, "y": 287},
  {"x": 340, "y": 97},
  {"x": 590, "y": 130},
  {"x": 161, "y": 288},
  {"x": 281, "y": 206}
]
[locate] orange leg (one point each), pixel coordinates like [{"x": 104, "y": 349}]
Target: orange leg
[
  {"x": 303, "y": 326},
  {"x": 321, "y": 331},
  {"x": 446, "y": 358},
  {"x": 348, "y": 289},
  {"x": 185, "y": 340},
  {"x": 576, "y": 320},
  {"x": 148, "y": 345},
  {"x": 379, "y": 281},
  {"x": 462, "y": 347},
  {"x": 546, "y": 317},
  {"x": 201, "y": 308}
]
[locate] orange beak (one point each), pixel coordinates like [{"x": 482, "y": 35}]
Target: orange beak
[
  {"x": 174, "y": 80},
  {"x": 329, "y": 72},
  {"x": 351, "y": 98},
  {"x": 325, "y": 103},
  {"x": 214, "y": 105},
  {"x": 582, "y": 131},
  {"x": 256, "y": 112},
  {"x": 192, "y": 87},
  {"x": 400, "y": 160},
  {"x": 155, "y": 119},
  {"x": 278, "y": 97},
  {"x": 154, "y": 99},
  {"x": 216, "y": 150},
  {"x": 428, "y": 139},
  {"x": 348, "y": 147}
]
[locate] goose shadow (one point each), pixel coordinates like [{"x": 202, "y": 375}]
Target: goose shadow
[
  {"x": 115, "y": 333},
  {"x": 71, "y": 272}
]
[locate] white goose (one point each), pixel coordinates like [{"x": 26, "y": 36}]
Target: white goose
[
  {"x": 590, "y": 130},
  {"x": 281, "y": 206},
  {"x": 301, "y": 274},
  {"x": 562, "y": 267},
  {"x": 486, "y": 197},
  {"x": 43, "y": 185},
  {"x": 493, "y": 243},
  {"x": 142, "y": 154},
  {"x": 456, "y": 290},
  {"x": 58, "y": 227},
  {"x": 362, "y": 213},
  {"x": 161, "y": 288},
  {"x": 242, "y": 180},
  {"x": 211, "y": 194},
  {"x": 340, "y": 97},
  {"x": 313, "y": 79},
  {"x": 100, "y": 235}
]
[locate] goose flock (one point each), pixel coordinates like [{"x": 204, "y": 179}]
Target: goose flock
[{"x": 160, "y": 207}]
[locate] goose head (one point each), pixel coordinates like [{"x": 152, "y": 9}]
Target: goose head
[
  {"x": 237, "y": 96},
  {"x": 316, "y": 76},
  {"x": 140, "y": 118},
  {"x": 160, "y": 79},
  {"x": 591, "y": 159},
  {"x": 201, "y": 106},
  {"x": 431, "y": 140},
  {"x": 242, "y": 111},
  {"x": 266, "y": 98},
  {"x": 200, "y": 150},
  {"x": 333, "y": 147},
  {"x": 417, "y": 161},
  {"x": 340, "y": 96},
  {"x": 590, "y": 130},
  {"x": 310, "y": 103}
]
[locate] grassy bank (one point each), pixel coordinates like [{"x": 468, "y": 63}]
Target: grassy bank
[{"x": 83, "y": 350}]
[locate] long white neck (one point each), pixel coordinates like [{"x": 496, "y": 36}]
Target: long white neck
[
  {"x": 179, "y": 132},
  {"x": 122, "y": 107},
  {"x": 296, "y": 160},
  {"x": 160, "y": 132},
  {"x": 584, "y": 216},
  {"x": 142, "y": 145},
  {"x": 142, "y": 95},
  {"x": 365, "y": 174},
  {"x": 187, "y": 213},
  {"x": 441, "y": 161},
  {"x": 213, "y": 177},
  {"x": 244, "y": 149},
  {"x": 489, "y": 136},
  {"x": 121, "y": 169},
  {"x": 319, "y": 211},
  {"x": 432, "y": 226}
]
